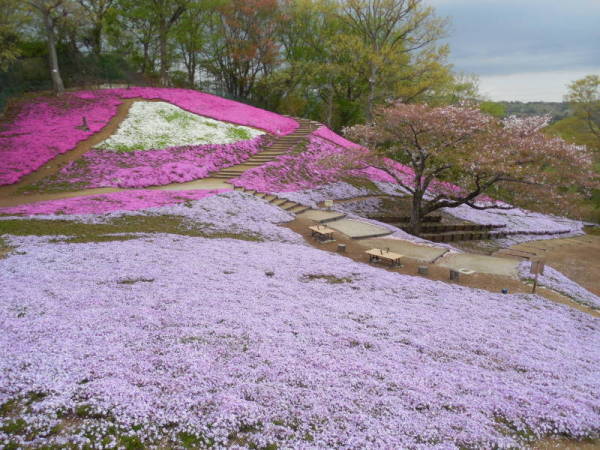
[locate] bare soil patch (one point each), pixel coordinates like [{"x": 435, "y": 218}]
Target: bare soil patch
[{"x": 577, "y": 257}]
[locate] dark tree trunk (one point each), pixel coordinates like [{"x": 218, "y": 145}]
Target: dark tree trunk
[
  {"x": 164, "y": 63},
  {"x": 416, "y": 213},
  {"x": 97, "y": 40},
  {"x": 371, "y": 95},
  {"x": 329, "y": 118},
  {"x": 57, "y": 82}
]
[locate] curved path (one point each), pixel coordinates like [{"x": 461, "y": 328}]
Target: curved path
[
  {"x": 10, "y": 196},
  {"x": 304, "y": 215}
]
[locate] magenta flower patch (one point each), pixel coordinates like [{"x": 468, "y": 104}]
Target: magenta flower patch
[
  {"x": 49, "y": 126},
  {"x": 115, "y": 201},
  {"x": 105, "y": 168}
]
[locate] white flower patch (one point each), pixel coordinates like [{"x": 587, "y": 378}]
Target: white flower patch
[{"x": 159, "y": 125}]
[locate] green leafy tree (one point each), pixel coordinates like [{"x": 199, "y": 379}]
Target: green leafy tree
[
  {"x": 192, "y": 34},
  {"x": 12, "y": 19},
  {"x": 389, "y": 30},
  {"x": 493, "y": 108},
  {"x": 96, "y": 13},
  {"x": 244, "y": 46},
  {"x": 51, "y": 13},
  {"x": 584, "y": 97}
]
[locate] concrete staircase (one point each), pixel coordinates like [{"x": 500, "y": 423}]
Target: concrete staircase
[
  {"x": 278, "y": 146},
  {"x": 283, "y": 203},
  {"x": 354, "y": 229}
]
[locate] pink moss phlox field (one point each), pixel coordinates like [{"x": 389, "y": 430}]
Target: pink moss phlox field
[
  {"x": 323, "y": 162},
  {"x": 49, "y": 126},
  {"x": 215, "y": 107},
  {"x": 555, "y": 280},
  {"x": 230, "y": 212},
  {"x": 326, "y": 133},
  {"x": 230, "y": 341},
  {"x": 105, "y": 168},
  {"x": 517, "y": 219},
  {"x": 130, "y": 200}
]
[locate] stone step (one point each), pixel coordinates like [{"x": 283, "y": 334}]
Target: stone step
[
  {"x": 288, "y": 205},
  {"x": 231, "y": 172},
  {"x": 299, "y": 209},
  {"x": 227, "y": 175},
  {"x": 270, "y": 197},
  {"x": 261, "y": 194},
  {"x": 239, "y": 188},
  {"x": 279, "y": 201}
]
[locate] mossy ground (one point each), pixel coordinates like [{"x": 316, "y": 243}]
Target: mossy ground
[{"x": 118, "y": 229}]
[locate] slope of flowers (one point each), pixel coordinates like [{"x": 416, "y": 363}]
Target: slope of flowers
[
  {"x": 230, "y": 212},
  {"x": 158, "y": 125},
  {"x": 326, "y": 133},
  {"x": 114, "y": 201},
  {"x": 517, "y": 219},
  {"x": 103, "y": 168},
  {"x": 322, "y": 162},
  {"x": 227, "y": 212},
  {"x": 555, "y": 280},
  {"x": 341, "y": 190},
  {"x": 49, "y": 126},
  {"x": 212, "y": 106},
  {"x": 218, "y": 342}
]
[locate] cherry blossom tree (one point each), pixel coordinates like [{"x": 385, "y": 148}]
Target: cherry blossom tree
[{"x": 435, "y": 145}]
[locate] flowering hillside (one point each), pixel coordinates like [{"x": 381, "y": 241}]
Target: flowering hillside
[
  {"x": 49, "y": 126},
  {"x": 221, "y": 342},
  {"x": 158, "y": 125},
  {"x": 135, "y": 169},
  {"x": 131, "y": 200}
]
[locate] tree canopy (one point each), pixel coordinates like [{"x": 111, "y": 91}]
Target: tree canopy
[
  {"x": 453, "y": 155},
  {"x": 323, "y": 59}
]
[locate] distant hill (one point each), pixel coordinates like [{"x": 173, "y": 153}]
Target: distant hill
[{"x": 558, "y": 110}]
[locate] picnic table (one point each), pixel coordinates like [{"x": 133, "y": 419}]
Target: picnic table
[
  {"x": 376, "y": 254},
  {"x": 321, "y": 232}
]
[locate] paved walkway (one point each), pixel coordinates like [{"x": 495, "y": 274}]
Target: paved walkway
[
  {"x": 204, "y": 183},
  {"x": 321, "y": 216},
  {"x": 480, "y": 263},
  {"x": 425, "y": 253},
  {"x": 356, "y": 229}
]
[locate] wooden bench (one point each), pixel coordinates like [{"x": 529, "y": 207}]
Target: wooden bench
[
  {"x": 321, "y": 232},
  {"x": 376, "y": 254}
]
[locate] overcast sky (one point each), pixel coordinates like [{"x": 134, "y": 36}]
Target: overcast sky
[{"x": 523, "y": 49}]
